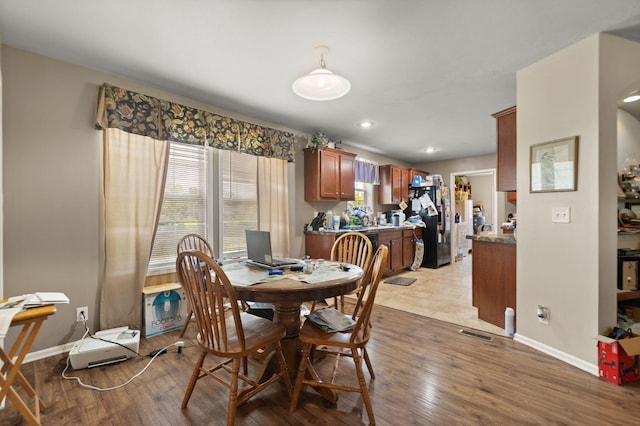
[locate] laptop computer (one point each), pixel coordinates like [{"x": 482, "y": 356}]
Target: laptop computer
[{"x": 259, "y": 250}]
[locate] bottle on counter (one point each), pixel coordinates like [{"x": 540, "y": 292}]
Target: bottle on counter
[{"x": 329, "y": 224}]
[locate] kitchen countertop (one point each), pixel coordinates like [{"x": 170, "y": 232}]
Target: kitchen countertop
[
  {"x": 493, "y": 238},
  {"x": 383, "y": 228}
]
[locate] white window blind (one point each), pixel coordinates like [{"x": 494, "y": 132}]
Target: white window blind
[
  {"x": 240, "y": 195},
  {"x": 184, "y": 208}
]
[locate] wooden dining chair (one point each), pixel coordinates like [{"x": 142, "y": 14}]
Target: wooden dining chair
[
  {"x": 196, "y": 242},
  {"x": 186, "y": 243},
  {"x": 354, "y": 248},
  {"x": 350, "y": 343},
  {"x": 230, "y": 336}
]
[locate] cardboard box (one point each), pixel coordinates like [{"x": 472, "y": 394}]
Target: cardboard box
[
  {"x": 164, "y": 308},
  {"x": 618, "y": 360}
]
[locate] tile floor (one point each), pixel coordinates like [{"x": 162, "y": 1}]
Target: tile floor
[{"x": 443, "y": 293}]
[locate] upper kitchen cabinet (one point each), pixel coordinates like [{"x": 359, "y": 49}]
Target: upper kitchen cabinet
[
  {"x": 506, "y": 150},
  {"x": 329, "y": 175},
  {"x": 394, "y": 184}
]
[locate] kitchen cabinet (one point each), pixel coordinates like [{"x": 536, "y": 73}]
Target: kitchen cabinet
[
  {"x": 329, "y": 175},
  {"x": 402, "y": 249},
  {"x": 393, "y": 241},
  {"x": 416, "y": 172},
  {"x": 394, "y": 184},
  {"x": 493, "y": 273},
  {"x": 409, "y": 246},
  {"x": 400, "y": 242},
  {"x": 318, "y": 246},
  {"x": 506, "y": 149}
]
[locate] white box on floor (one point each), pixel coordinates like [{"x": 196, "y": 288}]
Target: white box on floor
[{"x": 164, "y": 308}]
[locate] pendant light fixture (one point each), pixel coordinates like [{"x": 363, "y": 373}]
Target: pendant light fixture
[
  {"x": 633, "y": 96},
  {"x": 321, "y": 84}
]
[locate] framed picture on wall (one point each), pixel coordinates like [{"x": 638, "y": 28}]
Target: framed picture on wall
[{"x": 553, "y": 166}]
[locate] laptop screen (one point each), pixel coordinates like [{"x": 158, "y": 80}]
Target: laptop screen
[{"x": 259, "y": 246}]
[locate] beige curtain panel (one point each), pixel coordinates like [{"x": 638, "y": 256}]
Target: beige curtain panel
[
  {"x": 135, "y": 169},
  {"x": 273, "y": 203}
]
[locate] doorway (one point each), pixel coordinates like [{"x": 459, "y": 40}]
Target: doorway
[{"x": 483, "y": 188}]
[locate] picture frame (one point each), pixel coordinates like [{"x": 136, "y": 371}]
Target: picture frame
[{"x": 553, "y": 165}]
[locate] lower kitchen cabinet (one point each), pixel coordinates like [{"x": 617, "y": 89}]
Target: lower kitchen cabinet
[
  {"x": 318, "y": 246},
  {"x": 400, "y": 242},
  {"x": 393, "y": 241},
  {"x": 409, "y": 246},
  {"x": 493, "y": 279}
]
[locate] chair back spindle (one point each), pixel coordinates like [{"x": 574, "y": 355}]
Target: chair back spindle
[
  {"x": 366, "y": 298},
  {"x": 209, "y": 291}
]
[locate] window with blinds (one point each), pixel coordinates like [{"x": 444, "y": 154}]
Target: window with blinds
[
  {"x": 184, "y": 208},
  {"x": 240, "y": 200}
]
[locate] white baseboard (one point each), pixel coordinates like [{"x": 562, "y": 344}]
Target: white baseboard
[
  {"x": 569, "y": 359},
  {"x": 46, "y": 353}
]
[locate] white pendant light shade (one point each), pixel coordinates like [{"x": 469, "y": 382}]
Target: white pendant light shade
[{"x": 321, "y": 84}]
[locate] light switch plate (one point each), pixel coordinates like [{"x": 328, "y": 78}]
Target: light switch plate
[{"x": 561, "y": 214}]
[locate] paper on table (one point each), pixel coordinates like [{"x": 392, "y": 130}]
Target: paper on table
[
  {"x": 330, "y": 272},
  {"x": 45, "y": 298},
  {"x": 242, "y": 276}
]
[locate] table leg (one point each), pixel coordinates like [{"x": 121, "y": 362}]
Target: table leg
[
  {"x": 289, "y": 316},
  {"x": 12, "y": 371}
]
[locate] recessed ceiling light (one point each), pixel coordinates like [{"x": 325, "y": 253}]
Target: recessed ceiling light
[
  {"x": 365, "y": 124},
  {"x": 430, "y": 150}
]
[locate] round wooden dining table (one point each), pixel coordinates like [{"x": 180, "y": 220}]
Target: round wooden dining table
[{"x": 287, "y": 295}]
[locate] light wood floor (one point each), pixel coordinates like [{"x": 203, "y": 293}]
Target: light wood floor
[
  {"x": 427, "y": 373},
  {"x": 443, "y": 293}
]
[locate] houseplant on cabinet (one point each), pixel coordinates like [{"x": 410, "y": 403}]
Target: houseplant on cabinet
[{"x": 318, "y": 139}]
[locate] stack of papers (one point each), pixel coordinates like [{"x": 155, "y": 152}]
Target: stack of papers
[
  {"x": 331, "y": 320},
  {"x": 44, "y": 298}
]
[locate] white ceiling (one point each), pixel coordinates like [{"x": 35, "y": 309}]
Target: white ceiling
[{"x": 429, "y": 73}]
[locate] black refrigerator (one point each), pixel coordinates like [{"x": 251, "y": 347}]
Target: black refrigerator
[{"x": 436, "y": 235}]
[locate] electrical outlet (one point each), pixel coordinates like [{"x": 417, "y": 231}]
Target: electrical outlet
[
  {"x": 544, "y": 315},
  {"x": 82, "y": 314}
]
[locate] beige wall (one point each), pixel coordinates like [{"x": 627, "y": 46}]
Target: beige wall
[
  {"x": 51, "y": 168},
  {"x": 571, "y": 268}
]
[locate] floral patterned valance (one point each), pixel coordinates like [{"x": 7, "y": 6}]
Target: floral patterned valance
[{"x": 139, "y": 114}]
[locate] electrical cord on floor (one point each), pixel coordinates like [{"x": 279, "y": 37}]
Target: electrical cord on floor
[{"x": 153, "y": 355}]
